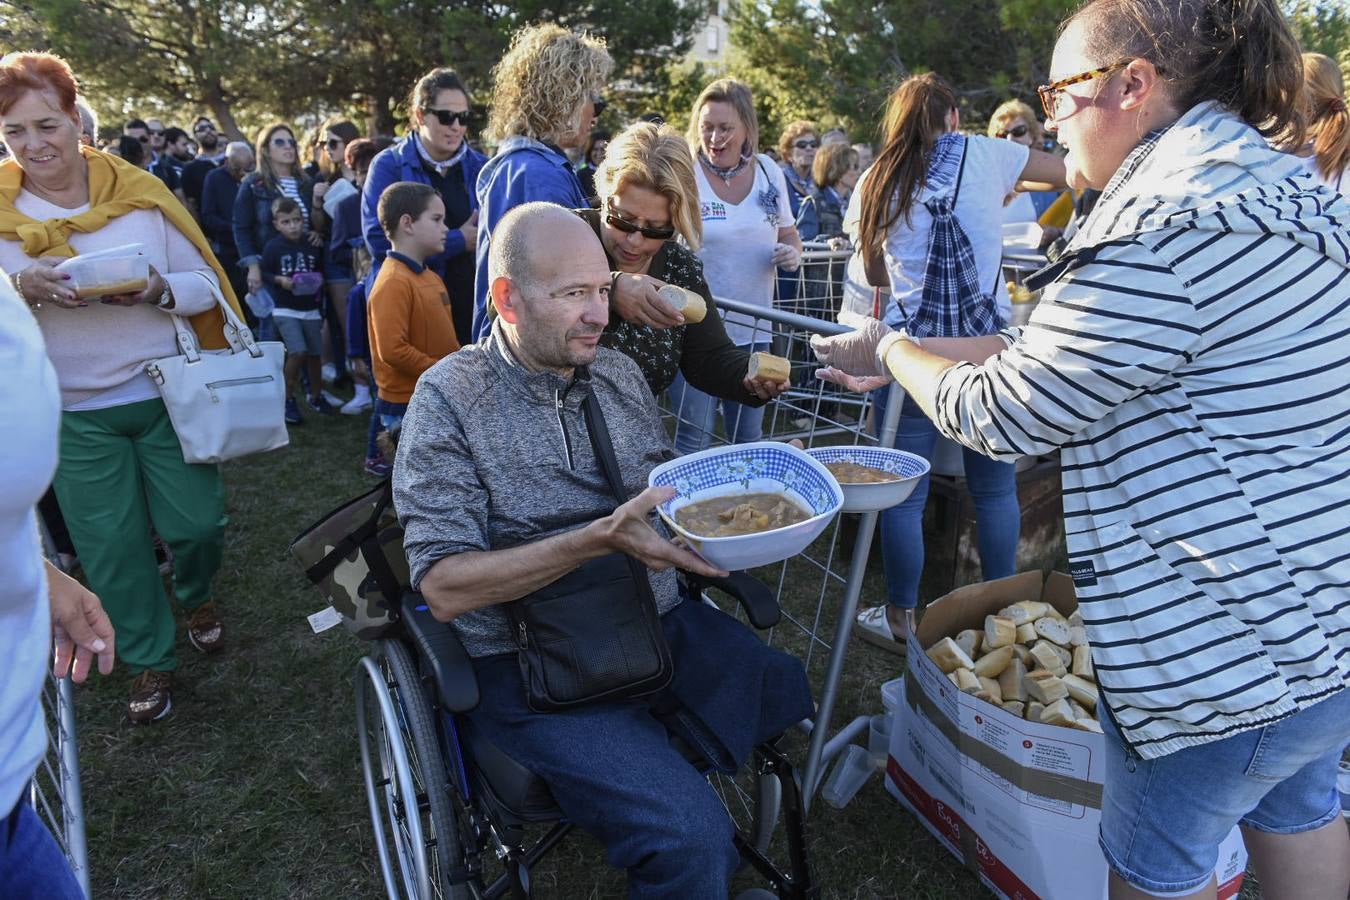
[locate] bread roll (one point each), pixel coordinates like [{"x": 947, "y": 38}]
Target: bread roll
[
  {"x": 1044, "y": 686},
  {"x": 1010, "y": 680},
  {"x": 999, "y": 631},
  {"x": 967, "y": 682},
  {"x": 949, "y": 657},
  {"x": 992, "y": 664},
  {"x": 1058, "y": 713},
  {"x": 1082, "y": 690},
  {"x": 970, "y": 641},
  {"x": 1046, "y": 658},
  {"x": 1026, "y": 633},
  {"x": 770, "y": 367},
  {"x": 1024, "y": 612},
  {"x": 989, "y": 687},
  {"x": 1052, "y": 630},
  {"x": 1082, "y": 663},
  {"x": 688, "y": 302},
  {"x": 1016, "y": 707}
]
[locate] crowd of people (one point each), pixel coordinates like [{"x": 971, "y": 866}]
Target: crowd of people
[{"x": 1188, "y": 362}]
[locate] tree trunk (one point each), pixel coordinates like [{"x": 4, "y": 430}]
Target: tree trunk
[
  {"x": 379, "y": 116},
  {"x": 221, "y": 109}
]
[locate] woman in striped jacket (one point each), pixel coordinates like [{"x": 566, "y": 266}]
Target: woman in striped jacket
[{"x": 1190, "y": 360}]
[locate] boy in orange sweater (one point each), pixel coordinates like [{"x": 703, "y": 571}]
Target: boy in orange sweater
[{"x": 410, "y": 324}]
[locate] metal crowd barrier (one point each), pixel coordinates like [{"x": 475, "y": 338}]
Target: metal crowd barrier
[
  {"x": 55, "y": 790},
  {"x": 818, "y": 414}
]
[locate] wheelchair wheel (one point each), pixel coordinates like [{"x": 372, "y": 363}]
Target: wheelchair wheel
[
  {"x": 752, "y": 799},
  {"x": 405, "y": 778}
]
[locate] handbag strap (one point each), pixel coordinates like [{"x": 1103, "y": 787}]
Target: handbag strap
[{"x": 237, "y": 334}]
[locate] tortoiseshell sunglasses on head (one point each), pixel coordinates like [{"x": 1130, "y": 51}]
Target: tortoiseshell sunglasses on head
[{"x": 1049, "y": 93}]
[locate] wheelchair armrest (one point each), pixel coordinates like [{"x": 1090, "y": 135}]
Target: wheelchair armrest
[
  {"x": 450, "y": 665},
  {"x": 761, "y": 608}
]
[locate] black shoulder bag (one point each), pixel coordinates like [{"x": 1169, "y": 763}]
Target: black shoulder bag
[{"x": 593, "y": 634}]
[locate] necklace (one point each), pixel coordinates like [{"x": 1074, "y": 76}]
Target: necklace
[{"x": 725, "y": 174}]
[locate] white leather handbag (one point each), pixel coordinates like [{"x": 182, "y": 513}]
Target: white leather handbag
[{"x": 223, "y": 403}]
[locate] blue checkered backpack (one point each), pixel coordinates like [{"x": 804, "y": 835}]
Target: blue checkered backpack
[{"x": 952, "y": 304}]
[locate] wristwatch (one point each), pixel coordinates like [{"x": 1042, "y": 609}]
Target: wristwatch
[{"x": 165, "y": 298}]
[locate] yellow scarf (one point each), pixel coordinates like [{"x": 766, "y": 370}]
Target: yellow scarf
[{"x": 116, "y": 187}]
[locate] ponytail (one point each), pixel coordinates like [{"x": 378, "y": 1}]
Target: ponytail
[
  {"x": 1239, "y": 53},
  {"x": 916, "y": 116},
  {"x": 1328, "y": 121}
]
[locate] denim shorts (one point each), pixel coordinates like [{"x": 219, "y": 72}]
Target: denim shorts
[
  {"x": 1163, "y": 819},
  {"x": 300, "y": 335}
]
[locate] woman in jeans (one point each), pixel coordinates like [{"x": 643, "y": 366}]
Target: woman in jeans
[
  {"x": 747, "y": 235},
  {"x": 1189, "y": 361},
  {"x": 925, "y": 166}
]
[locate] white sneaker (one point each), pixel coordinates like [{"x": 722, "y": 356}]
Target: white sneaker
[
  {"x": 329, "y": 373},
  {"x": 357, "y": 405},
  {"x": 333, "y": 399}
]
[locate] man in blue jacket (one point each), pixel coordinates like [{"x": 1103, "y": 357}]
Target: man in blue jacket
[{"x": 436, "y": 152}]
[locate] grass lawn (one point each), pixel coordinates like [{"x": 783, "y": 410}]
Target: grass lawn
[{"x": 252, "y": 787}]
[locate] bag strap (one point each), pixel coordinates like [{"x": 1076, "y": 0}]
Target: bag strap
[
  {"x": 956, "y": 193},
  {"x": 238, "y": 335},
  {"x": 598, "y": 430}
]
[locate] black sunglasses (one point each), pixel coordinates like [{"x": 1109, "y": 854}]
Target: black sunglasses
[
  {"x": 1017, "y": 132},
  {"x": 613, "y": 220},
  {"x": 448, "y": 117},
  {"x": 284, "y": 142},
  {"x": 806, "y": 144},
  {"x": 333, "y": 143},
  {"x": 205, "y": 126},
  {"x": 156, "y": 130}
]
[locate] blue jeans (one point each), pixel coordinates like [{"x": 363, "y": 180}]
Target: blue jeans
[
  {"x": 390, "y": 414},
  {"x": 697, "y": 413},
  {"x": 32, "y": 866},
  {"x": 998, "y": 516},
  {"x": 1163, "y": 819},
  {"x": 611, "y": 766}
]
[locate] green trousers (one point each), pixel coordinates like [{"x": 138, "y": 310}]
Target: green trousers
[{"x": 122, "y": 469}]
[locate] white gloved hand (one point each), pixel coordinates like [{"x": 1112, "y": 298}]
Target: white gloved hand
[
  {"x": 859, "y": 352},
  {"x": 787, "y": 257}
]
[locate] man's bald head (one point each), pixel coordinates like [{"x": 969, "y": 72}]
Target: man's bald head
[{"x": 528, "y": 233}]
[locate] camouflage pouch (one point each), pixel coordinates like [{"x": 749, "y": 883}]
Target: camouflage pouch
[{"x": 354, "y": 555}]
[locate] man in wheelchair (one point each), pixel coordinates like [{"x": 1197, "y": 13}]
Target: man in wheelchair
[{"x": 501, "y": 494}]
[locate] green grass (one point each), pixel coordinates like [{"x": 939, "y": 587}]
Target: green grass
[{"x": 252, "y": 787}]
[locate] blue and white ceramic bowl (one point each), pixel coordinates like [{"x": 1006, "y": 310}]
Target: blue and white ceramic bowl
[
  {"x": 761, "y": 467},
  {"x": 908, "y": 467}
]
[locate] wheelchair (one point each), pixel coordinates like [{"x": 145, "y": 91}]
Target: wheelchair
[{"x": 455, "y": 817}]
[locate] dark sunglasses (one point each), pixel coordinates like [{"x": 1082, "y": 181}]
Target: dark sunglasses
[
  {"x": 200, "y": 128},
  {"x": 284, "y": 142},
  {"x": 1019, "y": 131},
  {"x": 806, "y": 145},
  {"x": 144, "y": 139},
  {"x": 333, "y": 143},
  {"x": 613, "y": 220},
  {"x": 156, "y": 130},
  {"x": 598, "y": 103},
  {"x": 448, "y": 117}
]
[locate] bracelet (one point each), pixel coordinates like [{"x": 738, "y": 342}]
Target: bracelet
[{"x": 16, "y": 280}]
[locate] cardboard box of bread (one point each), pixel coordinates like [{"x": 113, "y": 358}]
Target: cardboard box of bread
[{"x": 996, "y": 746}]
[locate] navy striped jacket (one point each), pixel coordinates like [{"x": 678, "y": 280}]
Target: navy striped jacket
[{"x": 1191, "y": 360}]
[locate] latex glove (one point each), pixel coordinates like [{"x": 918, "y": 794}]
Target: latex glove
[
  {"x": 787, "y": 257},
  {"x": 858, "y": 384},
  {"x": 856, "y": 353},
  {"x": 80, "y": 628}
]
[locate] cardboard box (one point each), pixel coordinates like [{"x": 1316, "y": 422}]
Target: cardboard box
[{"x": 1018, "y": 801}]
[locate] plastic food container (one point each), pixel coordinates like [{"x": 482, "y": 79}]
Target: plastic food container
[
  {"x": 761, "y": 467},
  {"x": 849, "y": 774},
  {"x": 119, "y": 270}
]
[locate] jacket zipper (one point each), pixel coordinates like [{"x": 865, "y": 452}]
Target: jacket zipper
[
  {"x": 567, "y": 442},
  {"x": 522, "y": 637}
]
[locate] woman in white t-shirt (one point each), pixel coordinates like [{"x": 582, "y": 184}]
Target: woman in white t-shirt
[
  {"x": 748, "y": 233},
  {"x": 927, "y": 161}
]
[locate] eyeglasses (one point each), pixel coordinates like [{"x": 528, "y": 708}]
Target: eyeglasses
[
  {"x": 284, "y": 142},
  {"x": 333, "y": 143},
  {"x": 1050, "y": 93},
  {"x": 1019, "y": 131},
  {"x": 614, "y": 220},
  {"x": 448, "y": 117},
  {"x": 804, "y": 144},
  {"x": 599, "y": 103}
]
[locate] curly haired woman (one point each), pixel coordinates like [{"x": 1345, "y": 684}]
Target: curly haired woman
[{"x": 544, "y": 92}]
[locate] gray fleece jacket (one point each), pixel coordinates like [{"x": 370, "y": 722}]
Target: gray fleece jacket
[{"x": 493, "y": 455}]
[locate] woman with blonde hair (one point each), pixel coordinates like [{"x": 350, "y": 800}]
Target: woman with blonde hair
[
  {"x": 544, "y": 96},
  {"x": 798, "y": 145},
  {"x": 1015, "y": 121},
  {"x": 1328, "y": 148},
  {"x": 748, "y": 234},
  {"x": 648, "y": 197}
]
